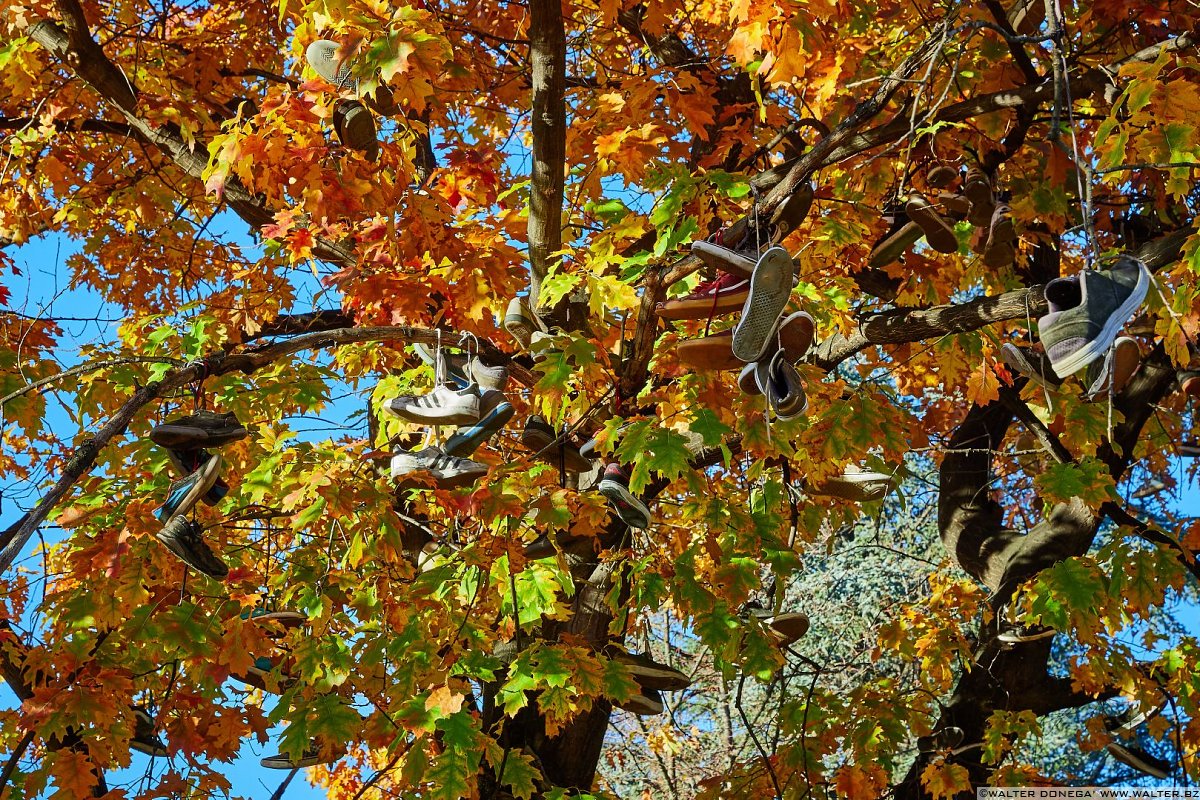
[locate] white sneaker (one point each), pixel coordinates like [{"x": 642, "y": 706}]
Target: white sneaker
[
  {"x": 447, "y": 471},
  {"x": 442, "y": 406}
]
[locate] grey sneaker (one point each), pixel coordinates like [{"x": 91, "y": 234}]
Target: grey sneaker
[
  {"x": 184, "y": 538},
  {"x": 725, "y": 259},
  {"x": 770, "y": 288},
  {"x": 1087, "y": 311},
  {"x": 1139, "y": 759},
  {"x": 442, "y": 406},
  {"x": 446, "y": 471},
  {"x": 748, "y": 379},
  {"x": 184, "y": 493},
  {"x": 645, "y": 703},
  {"x": 488, "y": 377},
  {"x": 321, "y": 55},
  {"x": 650, "y": 674},
  {"x": 145, "y": 739},
  {"x": 1032, "y": 363},
  {"x": 1020, "y": 634},
  {"x": 521, "y": 322},
  {"x": 453, "y": 367},
  {"x": 857, "y": 484}
]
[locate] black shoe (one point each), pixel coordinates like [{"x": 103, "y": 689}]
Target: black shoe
[
  {"x": 202, "y": 429},
  {"x": 645, "y": 703},
  {"x": 144, "y": 739},
  {"x": 184, "y": 538},
  {"x": 1139, "y": 759}
]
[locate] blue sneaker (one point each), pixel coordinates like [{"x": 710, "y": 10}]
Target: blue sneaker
[
  {"x": 184, "y": 494},
  {"x": 495, "y": 412},
  {"x": 185, "y": 462}
]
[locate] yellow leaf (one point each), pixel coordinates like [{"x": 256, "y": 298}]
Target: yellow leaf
[
  {"x": 443, "y": 701},
  {"x": 945, "y": 780},
  {"x": 983, "y": 386}
]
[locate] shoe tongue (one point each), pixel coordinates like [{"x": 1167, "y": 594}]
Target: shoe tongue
[{"x": 1064, "y": 293}]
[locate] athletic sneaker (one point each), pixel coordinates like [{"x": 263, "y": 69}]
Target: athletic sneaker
[
  {"x": 184, "y": 538},
  {"x": 650, "y": 674},
  {"x": 778, "y": 380},
  {"x": 145, "y": 739},
  {"x": 947, "y": 738},
  {"x": 549, "y": 446},
  {"x": 451, "y": 366},
  {"x": 1150, "y": 488},
  {"x": 787, "y": 628},
  {"x": 1087, "y": 311},
  {"x": 857, "y": 484},
  {"x": 521, "y": 322},
  {"x": 184, "y": 493},
  {"x": 748, "y": 379},
  {"x": 978, "y": 189},
  {"x": 442, "y": 406},
  {"x": 718, "y": 256},
  {"x": 941, "y": 176},
  {"x": 645, "y": 703},
  {"x": 284, "y": 619},
  {"x": 1130, "y": 720},
  {"x": 1020, "y": 634},
  {"x": 311, "y": 757},
  {"x": 185, "y": 462},
  {"x": 1032, "y": 363},
  {"x": 487, "y": 376},
  {"x": 895, "y": 243},
  {"x": 615, "y": 486},
  {"x": 938, "y": 230},
  {"x": 770, "y": 288},
  {"x": 723, "y": 295},
  {"x": 495, "y": 412},
  {"x": 1139, "y": 759},
  {"x": 355, "y": 128},
  {"x": 796, "y": 333},
  {"x": 446, "y": 471},
  {"x": 1109, "y": 375},
  {"x": 262, "y": 675},
  {"x": 202, "y": 429}
]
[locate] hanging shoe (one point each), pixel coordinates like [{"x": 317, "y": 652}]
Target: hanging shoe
[
  {"x": 645, "y": 703},
  {"x": 955, "y": 206},
  {"x": 748, "y": 379},
  {"x": 202, "y": 429},
  {"x": 442, "y": 406},
  {"x": 494, "y": 413},
  {"x": 1151, "y": 487},
  {"x": 263, "y": 675},
  {"x": 1021, "y": 634},
  {"x": 787, "y": 628},
  {"x": 723, "y": 295},
  {"x": 1131, "y": 719},
  {"x": 780, "y": 383},
  {"x": 447, "y": 471},
  {"x": 941, "y": 176},
  {"x": 1109, "y": 375},
  {"x": 454, "y": 367},
  {"x": 650, "y": 674},
  {"x": 284, "y": 620},
  {"x": 145, "y": 739},
  {"x": 1189, "y": 382},
  {"x": 858, "y": 485},
  {"x": 894, "y": 244},
  {"x": 615, "y": 486},
  {"x": 713, "y": 352},
  {"x": 978, "y": 189},
  {"x": 1139, "y": 759},
  {"x": 185, "y": 539},
  {"x": 1087, "y": 311},
  {"x": 548, "y": 445},
  {"x": 355, "y": 128},
  {"x": 521, "y": 323},
  {"x": 312, "y": 756},
  {"x": 185, "y": 462},
  {"x": 183, "y": 494},
  {"x": 487, "y": 376},
  {"x": 796, "y": 333},
  {"x": 792, "y": 211},
  {"x": 322, "y": 56},
  {"x": 718, "y": 256},
  {"x": 937, "y": 229},
  {"x": 946, "y": 738},
  {"x": 1031, "y": 362},
  {"x": 999, "y": 251},
  {"x": 770, "y": 288}
]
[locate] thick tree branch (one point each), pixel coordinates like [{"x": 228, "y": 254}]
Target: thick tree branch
[{"x": 548, "y": 57}]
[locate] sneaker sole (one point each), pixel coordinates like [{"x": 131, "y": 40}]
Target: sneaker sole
[
  {"x": 770, "y": 288},
  {"x": 1128, "y": 758},
  {"x": 186, "y": 557},
  {"x": 465, "y": 442},
  {"x": 209, "y": 472},
  {"x": 702, "y": 308},
  {"x": 796, "y": 334},
  {"x": 890, "y": 249},
  {"x": 1121, "y": 362},
  {"x": 633, "y": 512},
  {"x": 1014, "y": 637},
  {"x": 724, "y": 259},
  {"x": 154, "y": 751},
  {"x": 1108, "y": 334},
  {"x": 663, "y": 679}
]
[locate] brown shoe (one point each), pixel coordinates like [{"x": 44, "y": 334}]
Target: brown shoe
[
  {"x": 978, "y": 189},
  {"x": 894, "y": 244},
  {"x": 937, "y": 229},
  {"x": 1121, "y": 362},
  {"x": 1189, "y": 383},
  {"x": 941, "y": 176},
  {"x": 955, "y": 206},
  {"x": 355, "y": 128},
  {"x": 796, "y": 334},
  {"x": 724, "y": 295},
  {"x": 713, "y": 352},
  {"x": 999, "y": 250}
]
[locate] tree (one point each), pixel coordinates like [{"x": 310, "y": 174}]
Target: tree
[{"x": 596, "y": 140}]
